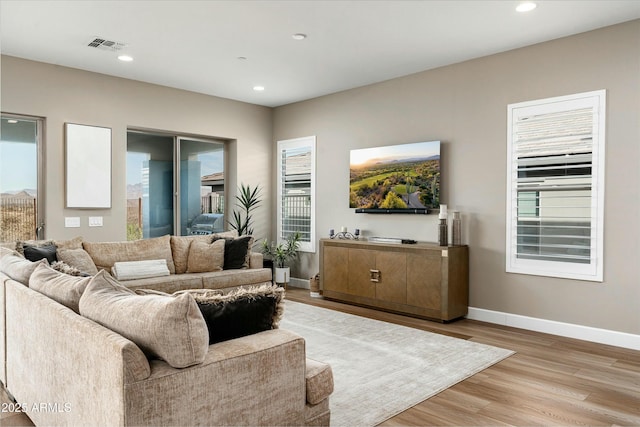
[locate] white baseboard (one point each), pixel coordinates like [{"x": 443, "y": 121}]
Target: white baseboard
[
  {"x": 299, "y": 283},
  {"x": 602, "y": 336}
]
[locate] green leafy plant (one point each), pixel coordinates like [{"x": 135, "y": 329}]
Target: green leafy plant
[
  {"x": 247, "y": 200},
  {"x": 282, "y": 252}
]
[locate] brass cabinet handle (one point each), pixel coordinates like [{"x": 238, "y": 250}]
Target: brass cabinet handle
[{"x": 375, "y": 275}]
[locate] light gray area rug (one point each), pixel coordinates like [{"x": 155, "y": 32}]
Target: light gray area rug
[{"x": 381, "y": 369}]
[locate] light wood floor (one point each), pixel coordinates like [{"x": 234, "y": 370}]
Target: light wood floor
[{"x": 549, "y": 381}]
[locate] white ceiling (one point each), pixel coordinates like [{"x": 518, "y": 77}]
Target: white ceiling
[{"x": 195, "y": 45}]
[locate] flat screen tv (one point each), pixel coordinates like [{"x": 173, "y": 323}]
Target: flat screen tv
[{"x": 402, "y": 178}]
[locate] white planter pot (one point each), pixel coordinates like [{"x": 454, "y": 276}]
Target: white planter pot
[{"x": 282, "y": 274}]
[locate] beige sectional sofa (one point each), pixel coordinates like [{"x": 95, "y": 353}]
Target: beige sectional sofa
[
  {"x": 175, "y": 250},
  {"x": 66, "y": 369}
]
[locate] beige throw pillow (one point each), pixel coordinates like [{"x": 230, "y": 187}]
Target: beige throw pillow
[
  {"x": 19, "y": 268},
  {"x": 60, "y": 287},
  {"x": 180, "y": 250},
  {"x": 78, "y": 258},
  {"x": 4, "y": 250},
  {"x": 169, "y": 327},
  {"x": 205, "y": 257},
  {"x": 231, "y": 234},
  {"x": 75, "y": 243}
]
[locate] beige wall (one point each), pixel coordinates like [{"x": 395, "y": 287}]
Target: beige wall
[
  {"x": 62, "y": 95},
  {"x": 465, "y": 106}
]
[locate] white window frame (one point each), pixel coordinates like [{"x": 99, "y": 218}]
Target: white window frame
[
  {"x": 308, "y": 141},
  {"x": 593, "y": 271}
]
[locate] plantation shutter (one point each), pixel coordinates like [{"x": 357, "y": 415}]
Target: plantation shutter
[
  {"x": 296, "y": 171},
  {"x": 556, "y": 150}
]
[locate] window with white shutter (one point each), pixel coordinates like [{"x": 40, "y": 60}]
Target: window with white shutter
[
  {"x": 555, "y": 186},
  {"x": 296, "y": 190}
]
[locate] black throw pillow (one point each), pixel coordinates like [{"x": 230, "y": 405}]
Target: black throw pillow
[
  {"x": 235, "y": 252},
  {"x": 242, "y": 312},
  {"x": 36, "y": 253}
]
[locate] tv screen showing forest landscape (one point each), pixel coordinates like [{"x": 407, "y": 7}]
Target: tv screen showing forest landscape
[{"x": 396, "y": 178}]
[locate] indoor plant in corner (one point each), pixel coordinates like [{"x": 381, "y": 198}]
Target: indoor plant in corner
[
  {"x": 281, "y": 253},
  {"x": 247, "y": 200}
]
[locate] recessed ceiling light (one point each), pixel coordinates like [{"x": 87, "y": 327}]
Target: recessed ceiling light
[
  {"x": 299, "y": 36},
  {"x": 125, "y": 58},
  {"x": 258, "y": 88},
  {"x": 527, "y": 6}
]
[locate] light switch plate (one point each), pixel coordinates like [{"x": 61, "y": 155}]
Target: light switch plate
[
  {"x": 72, "y": 221},
  {"x": 95, "y": 221}
]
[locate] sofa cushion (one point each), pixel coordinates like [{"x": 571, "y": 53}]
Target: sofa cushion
[
  {"x": 105, "y": 254},
  {"x": 231, "y": 234},
  {"x": 237, "y": 252},
  {"x": 169, "y": 327},
  {"x": 78, "y": 258},
  {"x": 234, "y": 278},
  {"x": 8, "y": 250},
  {"x": 180, "y": 250},
  {"x": 319, "y": 381},
  {"x": 75, "y": 243},
  {"x": 18, "y": 268},
  {"x": 36, "y": 253},
  {"x": 168, "y": 284},
  {"x": 205, "y": 257},
  {"x": 60, "y": 287},
  {"x": 241, "y": 312},
  {"x": 130, "y": 270}
]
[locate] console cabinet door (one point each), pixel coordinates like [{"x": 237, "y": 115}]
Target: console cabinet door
[
  {"x": 336, "y": 269},
  {"x": 392, "y": 285},
  {"x": 361, "y": 263},
  {"x": 424, "y": 283}
]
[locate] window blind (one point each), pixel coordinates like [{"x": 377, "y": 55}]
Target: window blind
[
  {"x": 296, "y": 190},
  {"x": 555, "y": 212},
  {"x": 295, "y": 201}
]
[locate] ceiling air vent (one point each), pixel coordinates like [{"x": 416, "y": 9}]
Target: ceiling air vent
[{"x": 104, "y": 44}]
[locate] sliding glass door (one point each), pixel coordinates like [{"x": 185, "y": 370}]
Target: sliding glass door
[
  {"x": 21, "y": 174},
  {"x": 201, "y": 186},
  {"x": 175, "y": 185}
]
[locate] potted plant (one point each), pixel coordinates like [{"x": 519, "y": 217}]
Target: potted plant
[
  {"x": 281, "y": 253},
  {"x": 247, "y": 200}
]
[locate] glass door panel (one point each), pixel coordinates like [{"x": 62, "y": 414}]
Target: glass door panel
[
  {"x": 150, "y": 185},
  {"x": 201, "y": 186},
  {"x": 19, "y": 179}
]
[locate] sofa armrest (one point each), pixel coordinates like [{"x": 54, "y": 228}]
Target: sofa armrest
[
  {"x": 254, "y": 380},
  {"x": 57, "y": 357},
  {"x": 319, "y": 379},
  {"x": 256, "y": 260}
]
